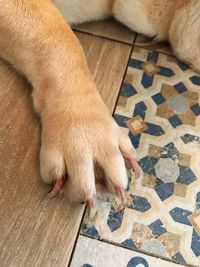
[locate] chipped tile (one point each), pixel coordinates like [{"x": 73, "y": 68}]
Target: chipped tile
[{"x": 93, "y": 253}]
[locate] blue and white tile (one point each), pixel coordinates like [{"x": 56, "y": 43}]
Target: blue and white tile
[
  {"x": 159, "y": 109},
  {"x": 93, "y": 253}
]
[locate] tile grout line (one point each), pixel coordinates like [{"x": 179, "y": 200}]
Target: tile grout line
[
  {"x": 131, "y": 51},
  {"x": 77, "y": 236},
  {"x": 123, "y": 42},
  {"x": 103, "y": 37},
  {"x": 125, "y": 71},
  {"x": 137, "y": 251}
]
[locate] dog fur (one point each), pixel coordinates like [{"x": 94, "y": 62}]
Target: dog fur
[
  {"x": 176, "y": 21},
  {"x": 79, "y": 137}
]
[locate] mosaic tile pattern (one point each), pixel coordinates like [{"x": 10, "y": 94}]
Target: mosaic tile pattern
[
  {"x": 159, "y": 109},
  {"x": 92, "y": 253}
]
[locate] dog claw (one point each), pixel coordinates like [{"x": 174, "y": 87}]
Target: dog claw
[
  {"x": 121, "y": 193},
  {"x": 134, "y": 164},
  {"x": 91, "y": 203},
  {"x": 58, "y": 185}
]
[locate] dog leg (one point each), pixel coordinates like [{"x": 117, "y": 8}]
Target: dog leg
[
  {"x": 134, "y": 14},
  {"x": 184, "y": 34},
  {"x": 77, "y": 129}
]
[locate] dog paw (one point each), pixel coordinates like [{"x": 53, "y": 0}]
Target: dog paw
[{"x": 84, "y": 153}]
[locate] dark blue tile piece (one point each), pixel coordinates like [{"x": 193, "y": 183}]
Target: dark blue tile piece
[
  {"x": 186, "y": 175},
  {"x": 195, "y": 243},
  {"x": 183, "y": 66},
  {"x": 121, "y": 120},
  {"x": 164, "y": 191},
  {"x": 195, "y": 80},
  {"x": 138, "y": 261},
  {"x": 158, "y": 98},
  {"x": 86, "y": 265},
  {"x": 169, "y": 151},
  {"x": 135, "y": 63},
  {"x": 180, "y": 215},
  {"x": 140, "y": 109},
  {"x": 175, "y": 121},
  {"x": 147, "y": 80},
  {"x": 166, "y": 72},
  {"x": 115, "y": 218},
  {"x": 157, "y": 228},
  {"x": 147, "y": 164},
  {"x": 128, "y": 90},
  {"x": 179, "y": 258},
  {"x": 152, "y": 55},
  {"x": 196, "y": 109},
  {"x": 89, "y": 230},
  {"x": 139, "y": 203},
  {"x": 128, "y": 243},
  {"x": 135, "y": 140},
  {"x": 180, "y": 88},
  {"x": 189, "y": 138},
  {"x": 154, "y": 129},
  {"x": 198, "y": 201},
  {"x": 171, "y": 186}
]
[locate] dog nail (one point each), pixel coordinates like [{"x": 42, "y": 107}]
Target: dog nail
[
  {"x": 91, "y": 203},
  {"x": 56, "y": 188},
  {"x": 134, "y": 164},
  {"x": 121, "y": 193}
]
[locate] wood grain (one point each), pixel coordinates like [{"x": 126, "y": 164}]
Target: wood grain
[
  {"x": 108, "y": 28},
  {"x": 107, "y": 62},
  {"x": 36, "y": 230}
]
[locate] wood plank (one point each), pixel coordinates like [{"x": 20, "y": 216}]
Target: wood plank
[
  {"x": 36, "y": 230},
  {"x": 107, "y": 62},
  {"x": 108, "y": 28}
]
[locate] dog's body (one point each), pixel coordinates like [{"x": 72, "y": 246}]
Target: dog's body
[
  {"x": 176, "y": 21},
  {"x": 78, "y": 132}
]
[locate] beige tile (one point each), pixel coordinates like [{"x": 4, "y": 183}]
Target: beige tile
[
  {"x": 150, "y": 68},
  {"x": 149, "y": 180},
  {"x": 136, "y": 125},
  {"x": 108, "y": 28},
  {"x": 154, "y": 151},
  {"x": 195, "y": 221},
  {"x": 180, "y": 190},
  {"x": 184, "y": 159},
  {"x": 35, "y": 229},
  {"x": 171, "y": 241}
]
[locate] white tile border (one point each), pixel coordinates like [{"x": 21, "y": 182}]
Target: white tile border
[{"x": 99, "y": 254}]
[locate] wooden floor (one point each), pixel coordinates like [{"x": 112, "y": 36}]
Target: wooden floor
[{"x": 35, "y": 230}]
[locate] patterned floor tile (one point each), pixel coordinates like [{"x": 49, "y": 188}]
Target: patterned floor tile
[
  {"x": 93, "y": 253},
  {"x": 147, "y": 43},
  {"x": 108, "y": 28},
  {"x": 159, "y": 109}
]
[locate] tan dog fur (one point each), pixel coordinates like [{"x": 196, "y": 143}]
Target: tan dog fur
[
  {"x": 77, "y": 129},
  {"x": 78, "y": 133},
  {"x": 176, "y": 21}
]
